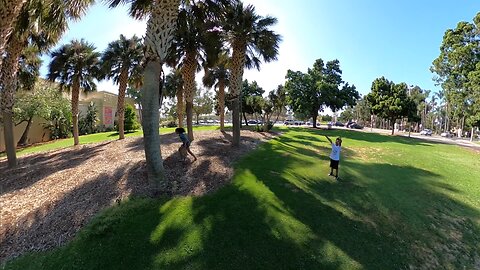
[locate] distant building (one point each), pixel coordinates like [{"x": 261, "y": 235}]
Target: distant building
[{"x": 105, "y": 103}]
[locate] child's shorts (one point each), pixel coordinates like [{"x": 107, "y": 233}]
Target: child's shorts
[{"x": 334, "y": 164}]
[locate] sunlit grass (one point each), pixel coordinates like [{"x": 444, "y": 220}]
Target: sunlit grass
[{"x": 400, "y": 202}]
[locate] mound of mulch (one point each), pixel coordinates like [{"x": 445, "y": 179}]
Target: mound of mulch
[{"x": 50, "y": 196}]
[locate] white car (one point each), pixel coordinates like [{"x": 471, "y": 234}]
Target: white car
[
  {"x": 446, "y": 134},
  {"x": 426, "y": 132}
]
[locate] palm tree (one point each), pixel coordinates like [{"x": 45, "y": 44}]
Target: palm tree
[
  {"x": 158, "y": 38},
  {"x": 251, "y": 40},
  {"x": 41, "y": 23},
  {"x": 219, "y": 77},
  {"x": 195, "y": 43},
  {"x": 118, "y": 63},
  {"x": 75, "y": 66},
  {"x": 9, "y": 11},
  {"x": 174, "y": 87}
]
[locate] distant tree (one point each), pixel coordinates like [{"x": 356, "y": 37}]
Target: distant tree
[
  {"x": 302, "y": 95},
  {"x": 88, "y": 123},
  {"x": 251, "y": 39},
  {"x": 35, "y": 103},
  {"x": 131, "y": 123},
  {"x": 202, "y": 103},
  {"x": 388, "y": 100},
  {"x": 322, "y": 86},
  {"x": 248, "y": 105},
  {"x": 119, "y": 62},
  {"x": 278, "y": 99},
  {"x": 457, "y": 68},
  {"x": 174, "y": 88},
  {"x": 75, "y": 66}
]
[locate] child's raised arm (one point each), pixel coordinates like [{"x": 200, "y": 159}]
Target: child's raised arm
[{"x": 328, "y": 139}]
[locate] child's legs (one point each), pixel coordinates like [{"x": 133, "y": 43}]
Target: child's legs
[{"x": 190, "y": 152}]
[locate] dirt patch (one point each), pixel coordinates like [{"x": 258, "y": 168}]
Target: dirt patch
[{"x": 50, "y": 196}]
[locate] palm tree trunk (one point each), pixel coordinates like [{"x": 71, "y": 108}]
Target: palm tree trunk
[
  {"x": 158, "y": 38},
  {"x": 151, "y": 137},
  {"x": 245, "y": 118},
  {"x": 180, "y": 107},
  {"x": 9, "y": 10},
  {"x": 238, "y": 64},
  {"x": 23, "y": 139},
  {"x": 221, "y": 103},
  {"x": 75, "y": 97},
  {"x": 8, "y": 81},
  {"x": 121, "y": 103},
  {"x": 188, "y": 75}
]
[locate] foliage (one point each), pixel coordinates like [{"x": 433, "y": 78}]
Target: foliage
[
  {"x": 458, "y": 68},
  {"x": 60, "y": 119},
  {"x": 122, "y": 55},
  {"x": 130, "y": 121},
  {"x": 202, "y": 103},
  {"x": 28, "y": 68},
  {"x": 322, "y": 86},
  {"x": 88, "y": 123},
  {"x": 389, "y": 100},
  {"x": 251, "y": 91},
  {"x": 38, "y": 102},
  {"x": 77, "y": 60}
]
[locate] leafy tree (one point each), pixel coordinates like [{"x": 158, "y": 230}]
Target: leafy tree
[
  {"x": 40, "y": 23},
  {"x": 174, "y": 87},
  {"x": 75, "y": 66},
  {"x": 35, "y": 103},
  {"x": 130, "y": 121},
  {"x": 251, "y": 40},
  {"x": 202, "y": 103},
  {"x": 88, "y": 123},
  {"x": 250, "y": 94},
  {"x": 119, "y": 62},
  {"x": 278, "y": 99},
  {"x": 389, "y": 100},
  {"x": 302, "y": 95},
  {"x": 456, "y": 68},
  {"x": 218, "y": 76}
]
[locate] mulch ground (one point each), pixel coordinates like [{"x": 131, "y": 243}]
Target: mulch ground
[{"x": 50, "y": 196}]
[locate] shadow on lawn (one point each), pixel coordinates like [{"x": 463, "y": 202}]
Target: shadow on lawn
[
  {"x": 366, "y": 136},
  {"x": 397, "y": 217},
  {"x": 273, "y": 217}
]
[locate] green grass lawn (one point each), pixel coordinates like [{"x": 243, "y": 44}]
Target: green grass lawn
[
  {"x": 91, "y": 138},
  {"x": 400, "y": 202}
]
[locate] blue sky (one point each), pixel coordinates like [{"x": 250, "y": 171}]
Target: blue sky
[{"x": 395, "y": 39}]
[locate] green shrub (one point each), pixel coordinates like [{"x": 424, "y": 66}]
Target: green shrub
[{"x": 130, "y": 121}]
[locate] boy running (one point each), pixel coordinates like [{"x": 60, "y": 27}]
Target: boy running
[{"x": 335, "y": 155}]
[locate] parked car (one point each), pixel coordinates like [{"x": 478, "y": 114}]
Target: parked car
[
  {"x": 356, "y": 126},
  {"x": 350, "y": 123},
  {"x": 252, "y": 122},
  {"x": 446, "y": 134},
  {"x": 338, "y": 124},
  {"x": 426, "y": 132}
]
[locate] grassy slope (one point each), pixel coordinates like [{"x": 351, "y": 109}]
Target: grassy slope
[
  {"x": 401, "y": 202},
  {"x": 91, "y": 138}
]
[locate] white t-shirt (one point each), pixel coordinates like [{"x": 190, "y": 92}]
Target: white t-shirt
[{"x": 335, "y": 155}]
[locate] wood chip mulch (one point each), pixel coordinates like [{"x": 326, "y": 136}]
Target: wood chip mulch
[{"x": 50, "y": 196}]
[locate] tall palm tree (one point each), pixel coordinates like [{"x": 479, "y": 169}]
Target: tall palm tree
[
  {"x": 9, "y": 10},
  {"x": 158, "y": 38},
  {"x": 75, "y": 66},
  {"x": 174, "y": 87},
  {"x": 219, "y": 77},
  {"x": 41, "y": 23},
  {"x": 252, "y": 41},
  {"x": 119, "y": 62},
  {"x": 195, "y": 44}
]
